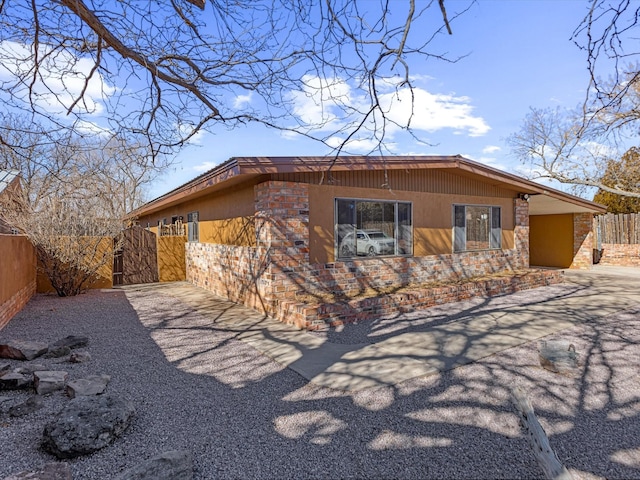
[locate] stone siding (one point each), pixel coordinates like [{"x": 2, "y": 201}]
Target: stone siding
[{"x": 615, "y": 254}]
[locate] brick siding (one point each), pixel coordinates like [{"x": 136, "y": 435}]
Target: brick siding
[
  {"x": 274, "y": 275},
  {"x": 620, "y": 255},
  {"x": 582, "y": 241},
  {"x": 17, "y": 301}
]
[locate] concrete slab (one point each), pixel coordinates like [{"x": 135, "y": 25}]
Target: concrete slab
[{"x": 421, "y": 343}]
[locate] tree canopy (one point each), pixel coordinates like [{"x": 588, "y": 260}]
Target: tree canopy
[
  {"x": 577, "y": 146},
  {"x": 624, "y": 175},
  {"x": 161, "y": 71}
]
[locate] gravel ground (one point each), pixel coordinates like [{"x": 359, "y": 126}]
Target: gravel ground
[{"x": 241, "y": 415}]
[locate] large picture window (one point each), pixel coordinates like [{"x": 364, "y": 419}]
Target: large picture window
[
  {"x": 476, "y": 227},
  {"x": 372, "y": 228}
]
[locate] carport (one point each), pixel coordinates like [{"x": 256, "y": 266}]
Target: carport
[{"x": 561, "y": 230}]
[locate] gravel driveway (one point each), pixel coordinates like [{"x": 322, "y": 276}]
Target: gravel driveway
[{"x": 197, "y": 387}]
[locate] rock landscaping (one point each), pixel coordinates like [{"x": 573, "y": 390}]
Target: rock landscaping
[{"x": 89, "y": 421}]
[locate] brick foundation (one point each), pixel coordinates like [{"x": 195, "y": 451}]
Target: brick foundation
[
  {"x": 620, "y": 255},
  {"x": 320, "y": 315},
  {"x": 16, "y": 302}
]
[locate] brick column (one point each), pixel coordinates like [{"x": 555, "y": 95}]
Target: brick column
[
  {"x": 521, "y": 232},
  {"x": 282, "y": 226},
  {"x": 582, "y": 240}
]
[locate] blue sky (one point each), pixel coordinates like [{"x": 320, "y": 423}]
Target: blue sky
[{"x": 519, "y": 55}]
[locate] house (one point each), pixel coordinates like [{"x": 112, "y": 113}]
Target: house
[
  {"x": 9, "y": 184},
  {"x": 267, "y": 231}
]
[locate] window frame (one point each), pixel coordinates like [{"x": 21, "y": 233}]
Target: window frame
[
  {"x": 193, "y": 228},
  {"x": 396, "y": 227},
  {"x": 459, "y": 233}
]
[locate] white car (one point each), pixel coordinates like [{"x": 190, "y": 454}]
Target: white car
[{"x": 368, "y": 242}]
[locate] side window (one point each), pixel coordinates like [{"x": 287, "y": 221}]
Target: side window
[
  {"x": 476, "y": 227},
  {"x": 193, "y": 234}
]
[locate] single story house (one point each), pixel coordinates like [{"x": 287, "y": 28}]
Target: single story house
[{"x": 265, "y": 231}]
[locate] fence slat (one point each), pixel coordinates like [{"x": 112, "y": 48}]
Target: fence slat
[{"x": 618, "y": 228}]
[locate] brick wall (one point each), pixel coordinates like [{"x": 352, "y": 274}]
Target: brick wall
[
  {"x": 582, "y": 241},
  {"x": 237, "y": 273},
  {"x": 16, "y": 303},
  {"x": 17, "y": 275},
  {"x": 620, "y": 255},
  {"x": 274, "y": 275}
]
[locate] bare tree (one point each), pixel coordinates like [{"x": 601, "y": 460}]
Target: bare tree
[
  {"x": 74, "y": 194},
  {"x": 161, "y": 71},
  {"x": 576, "y": 147}
]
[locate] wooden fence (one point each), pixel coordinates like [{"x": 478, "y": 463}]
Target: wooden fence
[{"x": 622, "y": 228}]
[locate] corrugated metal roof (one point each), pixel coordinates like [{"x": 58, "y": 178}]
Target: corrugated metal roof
[{"x": 7, "y": 177}]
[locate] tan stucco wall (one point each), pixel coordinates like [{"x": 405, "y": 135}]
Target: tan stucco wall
[
  {"x": 551, "y": 240},
  {"x": 171, "y": 259},
  {"x": 432, "y": 218},
  {"x": 18, "y": 266},
  {"x": 104, "y": 274}
]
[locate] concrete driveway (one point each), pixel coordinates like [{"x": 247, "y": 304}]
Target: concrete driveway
[{"x": 391, "y": 350}]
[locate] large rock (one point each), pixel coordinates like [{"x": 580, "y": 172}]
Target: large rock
[
  {"x": 558, "y": 356},
  {"x": 30, "y": 405},
  {"x": 87, "y": 424},
  {"x": 22, "y": 350},
  {"x": 51, "y": 471},
  {"x": 49, "y": 381},
  {"x": 71, "y": 342},
  {"x": 29, "y": 368},
  {"x": 173, "y": 465},
  {"x": 4, "y": 368},
  {"x": 57, "y": 352},
  {"x": 15, "y": 381},
  {"x": 92, "y": 385}
]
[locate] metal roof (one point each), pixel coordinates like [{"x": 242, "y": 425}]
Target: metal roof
[{"x": 544, "y": 200}]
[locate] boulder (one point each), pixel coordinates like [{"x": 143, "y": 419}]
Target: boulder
[
  {"x": 31, "y": 405},
  {"x": 79, "y": 357},
  {"x": 49, "y": 381},
  {"x": 29, "y": 368},
  {"x": 173, "y": 465},
  {"x": 5, "y": 403},
  {"x": 4, "y": 368},
  {"x": 71, "y": 342},
  {"x": 87, "y": 424},
  {"x": 22, "y": 350},
  {"x": 92, "y": 385},
  {"x": 51, "y": 471},
  {"x": 15, "y": 381},
  {"x": 558, "y": 356},
  {"x": 57, "y": 352}
]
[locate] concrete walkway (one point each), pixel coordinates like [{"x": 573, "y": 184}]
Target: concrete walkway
[{"x": 392, "y": 350}]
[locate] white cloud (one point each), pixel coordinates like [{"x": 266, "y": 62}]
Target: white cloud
[
  {"x": 186, "y": 128},
  {"x": 434, "y": 112},
  {"x": 204, "y": 166},
  {"x": 242, "y": 100},
  {"x": 331, "y": 104},
  {"x": 489, "y": 149},
  {"x": 91, "y": 128},
  {"x": 61, "y": 79}
]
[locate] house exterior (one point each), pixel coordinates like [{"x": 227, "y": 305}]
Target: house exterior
[{"x": 266, "y": 231}]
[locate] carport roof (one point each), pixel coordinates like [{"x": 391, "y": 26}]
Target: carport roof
[{"x": 542, "y": 199}]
